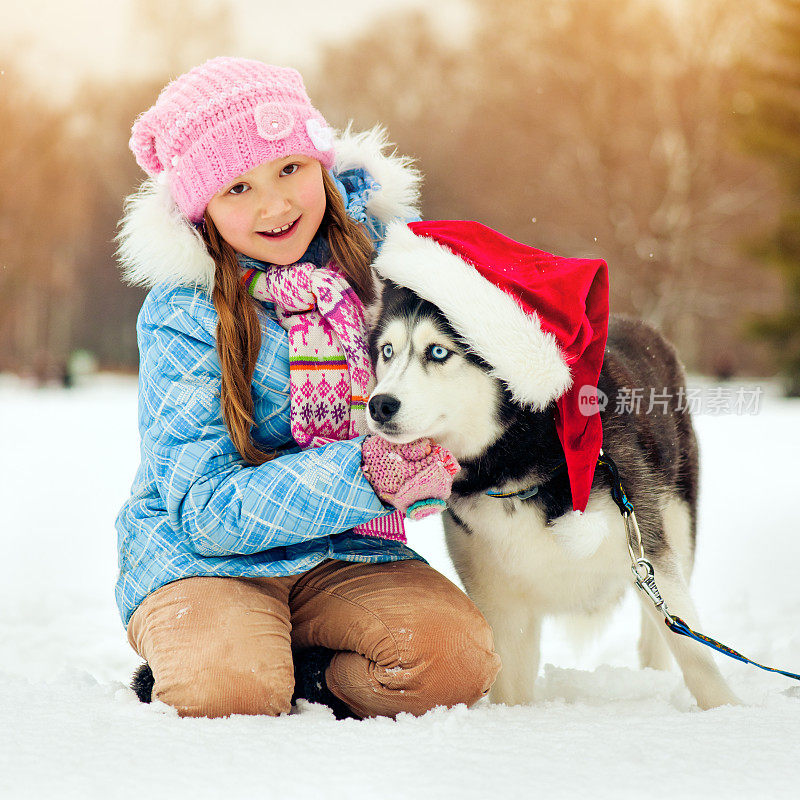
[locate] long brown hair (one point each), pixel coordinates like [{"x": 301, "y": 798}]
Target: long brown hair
[{"x": 239, "y": 330}]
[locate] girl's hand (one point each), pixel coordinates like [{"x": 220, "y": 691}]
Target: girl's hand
[{"x": 416, "y": 478}]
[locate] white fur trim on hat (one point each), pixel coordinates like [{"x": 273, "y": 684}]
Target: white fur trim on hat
[
  {"x": 504, "y": 334},
  {"x": 157, "y": 243}
]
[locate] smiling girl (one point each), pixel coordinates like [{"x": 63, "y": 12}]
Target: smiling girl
[{"x": 262, "y": 553}]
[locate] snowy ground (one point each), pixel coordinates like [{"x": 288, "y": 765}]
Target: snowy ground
[{"x": 70, "y": 727}]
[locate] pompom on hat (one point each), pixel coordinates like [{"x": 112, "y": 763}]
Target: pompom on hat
[
  {"x": 221, "y": 119},
  {"x": 540, "y": 321}
]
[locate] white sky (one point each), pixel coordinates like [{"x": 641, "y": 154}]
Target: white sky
[{"x": 60, "y": 41}]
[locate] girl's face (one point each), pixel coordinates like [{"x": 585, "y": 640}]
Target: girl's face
[{"x": 272, "y": 212}]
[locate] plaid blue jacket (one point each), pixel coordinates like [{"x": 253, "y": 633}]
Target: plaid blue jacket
[{"x": 195, "y": 507}]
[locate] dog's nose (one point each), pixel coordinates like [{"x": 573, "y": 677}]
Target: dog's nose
[{"x": 382, "y": 407}]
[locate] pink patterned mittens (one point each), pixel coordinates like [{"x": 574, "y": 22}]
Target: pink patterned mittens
[{"x": 415, "y": 478}]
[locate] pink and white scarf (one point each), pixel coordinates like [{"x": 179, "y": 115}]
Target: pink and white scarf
[{"x": 330, "y": 373}]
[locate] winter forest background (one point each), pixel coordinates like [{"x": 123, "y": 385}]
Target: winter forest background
[{"x": 661, "y": 135}]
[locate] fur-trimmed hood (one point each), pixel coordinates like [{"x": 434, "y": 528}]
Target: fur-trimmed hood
[{"x": 157, "y": 244}]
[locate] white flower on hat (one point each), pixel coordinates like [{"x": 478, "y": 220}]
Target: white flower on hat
[
  {"x": 273, "y": 121},
  {"x": 320, "y": 133}
]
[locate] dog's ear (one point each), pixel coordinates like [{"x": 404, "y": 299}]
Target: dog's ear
[{"x": 372, "y": 311}]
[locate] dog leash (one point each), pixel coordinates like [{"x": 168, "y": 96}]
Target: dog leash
[
  {"x": 645, "y": 576},
  {"x": 642, "y": 568}
]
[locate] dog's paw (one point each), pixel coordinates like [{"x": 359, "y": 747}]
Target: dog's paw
[{"x": 580, "y": 533}]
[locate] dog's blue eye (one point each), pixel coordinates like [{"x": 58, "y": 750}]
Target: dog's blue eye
[
  {"x": 387, "y": 351},
  {"x": 439, "y": 353}
]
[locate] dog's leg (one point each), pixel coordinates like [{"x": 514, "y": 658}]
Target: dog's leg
[
  {"x": 653, "y": 650},
  {"x": 516, "y": 636},
  {"x": 700, "y": 672},
  {"x": 506, "y": 604}
]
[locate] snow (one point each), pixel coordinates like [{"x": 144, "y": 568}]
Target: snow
[{"x": 70, "y": 727}]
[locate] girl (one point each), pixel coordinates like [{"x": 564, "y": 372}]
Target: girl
[{"x": 262, "y": 551}]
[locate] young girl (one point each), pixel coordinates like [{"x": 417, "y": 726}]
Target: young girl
[{"x": 262, "y": 551}]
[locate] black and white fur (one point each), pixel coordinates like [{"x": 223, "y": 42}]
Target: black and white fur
[{"x": 524, "y": 560}]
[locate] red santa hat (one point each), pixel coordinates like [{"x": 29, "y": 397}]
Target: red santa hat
[{"x": 540, "y": 321}]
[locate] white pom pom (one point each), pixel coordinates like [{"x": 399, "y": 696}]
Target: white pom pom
[{"x": 580, "y": 534}]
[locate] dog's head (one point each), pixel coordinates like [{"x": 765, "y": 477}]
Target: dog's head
[{"x": 428, "y": 382}]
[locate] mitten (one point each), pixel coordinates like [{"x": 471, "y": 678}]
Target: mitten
[{"x": 416, "y": 478}]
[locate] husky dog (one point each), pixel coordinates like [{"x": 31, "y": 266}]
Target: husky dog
[{"x": 522, "y": 560}]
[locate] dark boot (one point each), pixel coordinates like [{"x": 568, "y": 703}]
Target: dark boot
[
  {"x": 142, "y": 682},
  {"x": 309, "y": 681}
]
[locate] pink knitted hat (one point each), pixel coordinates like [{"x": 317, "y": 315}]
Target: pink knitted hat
[{"x": 220, "y": 120}]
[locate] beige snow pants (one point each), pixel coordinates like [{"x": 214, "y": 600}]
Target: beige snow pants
[{"x": 407, "y": 639}]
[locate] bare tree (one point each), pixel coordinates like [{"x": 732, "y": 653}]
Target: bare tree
[
  {"x": 40, "y": 209},
  {"x": 65, "y": 174},
  {"x": 589, "y": 128}
]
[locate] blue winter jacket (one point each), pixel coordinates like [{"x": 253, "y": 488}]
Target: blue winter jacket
[{"x": 195, "y": 507}]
